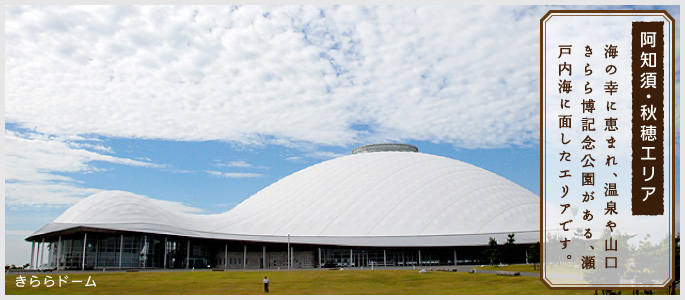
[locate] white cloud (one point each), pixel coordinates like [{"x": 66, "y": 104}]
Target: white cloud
[
  {"x": 460, "y": 75},
  {"x": 235, "y": 164},
  {"x": 295, "y": 158},
  {"x": 295, "y": 76},
  {"x": 238, "y": 164},
  {"x": 37, "y": 168},
  {"x": 317, "y": 155},
  {"x": 45, "y": 194},
  {"x": 324, "y": 154},
  {"x": 234, "y": 175},
  {"x": 97, "y": 147}
]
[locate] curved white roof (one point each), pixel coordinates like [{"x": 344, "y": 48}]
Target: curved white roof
[{"x": 366, "y": 199}]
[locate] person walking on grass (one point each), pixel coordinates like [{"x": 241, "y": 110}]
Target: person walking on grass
[{"x": 266, "y": 284}]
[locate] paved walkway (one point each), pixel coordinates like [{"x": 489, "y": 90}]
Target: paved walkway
[{"x": 460, "y": 268}]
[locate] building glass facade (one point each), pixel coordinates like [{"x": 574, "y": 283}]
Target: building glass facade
[{"x": 141, "y": 251}]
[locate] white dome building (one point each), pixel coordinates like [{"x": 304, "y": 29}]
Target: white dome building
[{"x": 383, "y": 205}]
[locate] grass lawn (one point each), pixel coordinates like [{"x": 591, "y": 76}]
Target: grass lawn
[
  {"x": 529, "y": 268},
  {"x": 310, "y": 282}
]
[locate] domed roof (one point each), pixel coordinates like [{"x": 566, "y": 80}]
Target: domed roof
[
  {"x": 386, "y": 194},
  {"x": 369, "y": 198}
]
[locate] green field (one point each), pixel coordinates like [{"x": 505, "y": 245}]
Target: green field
[{"x": 311, "y": 282}]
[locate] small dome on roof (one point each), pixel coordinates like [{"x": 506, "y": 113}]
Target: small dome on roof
[{"x": 385, "y": 148}]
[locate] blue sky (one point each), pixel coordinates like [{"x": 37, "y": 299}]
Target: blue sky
[{"x": 205, "y": 106}]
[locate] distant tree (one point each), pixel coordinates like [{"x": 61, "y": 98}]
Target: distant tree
[
  {"x": 676, "y": 281},
  {"x": 623, "y": 267},
  {"x": 534, "y": 254},
  {"x": 492, "y": 252},
  {"x": 509, "y": 249}
]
